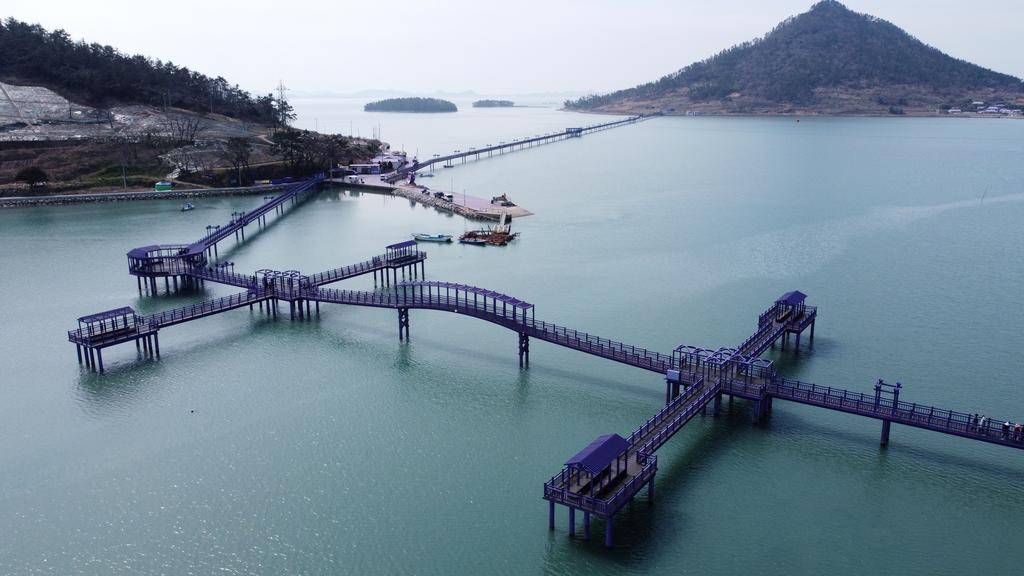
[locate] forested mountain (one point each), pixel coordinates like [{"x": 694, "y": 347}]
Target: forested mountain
[
  {"x": 101, "y": 76},
  {"x": 829, "y": 59}
]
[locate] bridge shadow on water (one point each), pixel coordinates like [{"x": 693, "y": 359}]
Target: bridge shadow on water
[
  {"x": 644, "y": 382},
  {"x": 132, "y": 377}
]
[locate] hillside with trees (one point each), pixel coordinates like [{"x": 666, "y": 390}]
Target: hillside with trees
[
  {"x": 77, "y": 116},
  {"x": 828, "y": 60},
  {"x": 101, "y": 76},
  {"x": 411, "y": 105}
]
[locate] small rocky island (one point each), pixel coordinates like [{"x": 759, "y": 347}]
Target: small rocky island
[
  {"x": 411, "y": 105},
  {"x": 493, "y": 104}
]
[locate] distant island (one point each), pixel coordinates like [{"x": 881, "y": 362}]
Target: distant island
[
  {"x": 493, "y": 104},
  {"x": 411, "y": 105},
  {"x": 829, "y": 60}
]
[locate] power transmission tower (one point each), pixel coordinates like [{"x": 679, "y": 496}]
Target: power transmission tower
[{"x": 281, "y": 89}]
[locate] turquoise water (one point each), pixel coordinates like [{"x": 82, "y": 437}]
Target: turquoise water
[{"x": 327, "y": 447}]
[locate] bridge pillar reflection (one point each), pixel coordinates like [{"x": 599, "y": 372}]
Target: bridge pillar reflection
[
  {"x": 403, "y": 324},
  {"x": 524, "y": 349}
]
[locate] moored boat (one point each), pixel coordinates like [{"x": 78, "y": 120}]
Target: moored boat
[
  {"x": 419, "y": 237},
  {"x": 472, "y": 241},
  {"x": 187, "y": 206}
]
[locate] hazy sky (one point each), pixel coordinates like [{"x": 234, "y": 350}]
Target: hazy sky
[{"x": 508, "y": 47}]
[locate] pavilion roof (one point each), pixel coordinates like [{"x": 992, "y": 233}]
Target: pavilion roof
[{"x": 599, "y": 453}]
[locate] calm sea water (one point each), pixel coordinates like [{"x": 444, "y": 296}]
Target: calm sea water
[{"x": 327, "y": 447}]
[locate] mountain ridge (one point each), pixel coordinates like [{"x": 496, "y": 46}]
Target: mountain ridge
[{"x": 828, "y": 60}]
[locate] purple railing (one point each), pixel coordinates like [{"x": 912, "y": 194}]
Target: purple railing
[
  {"x": 376, "y": 263},
  {"x": 582, "y": 341},
  {"x": 769, "y": 315},
  {"x": 237, "y": 223},
  {"x": 906, "y": 413},
  {"x": 223, "y": 277},
  {"x": 677, "y": 421},
  {"x": 625, "y": 353},
  {"x": 210, "y": 307},
  {"x": 647, "y": 427}
]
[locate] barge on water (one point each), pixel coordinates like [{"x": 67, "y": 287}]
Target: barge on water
[{"x": 499, "y": 235}]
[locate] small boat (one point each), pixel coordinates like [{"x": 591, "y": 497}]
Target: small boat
[
  {"x": 472, "y": 241},
  {"x": 432, "y": 237},
  {"x": 187, "y": 206}
]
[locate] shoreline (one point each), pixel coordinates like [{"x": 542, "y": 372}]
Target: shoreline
[
  {"x": 795, "y": 115},
  {"x": 131, "y": 196}
]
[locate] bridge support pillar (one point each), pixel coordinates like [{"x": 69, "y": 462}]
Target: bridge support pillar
[
  {"x": 524, "y": 350},
  {"x": 99, "y": 356},
  {"x": 608, "y": 532},
  {"x": 811, "y": 340},
  {"x": 572, "y": 521},
  {"x": 586, "y": 525},
  {"x": 885, "y": 432},
  {"x": 551, "y": 514},
  {"x": 156, "y": 344},
  {"x": 403, "y": 324},
  {"x": 78, "y": 350},
  {"x": 758, "y": 411},
  {"x": 718, "y": 403}
]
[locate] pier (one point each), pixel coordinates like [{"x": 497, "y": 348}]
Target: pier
[
  {"x": 502, "y": 147},
  {"x": 612, "y": 470}
]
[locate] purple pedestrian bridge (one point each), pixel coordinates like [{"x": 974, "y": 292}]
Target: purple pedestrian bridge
[{"x": 612, "y": 470}]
